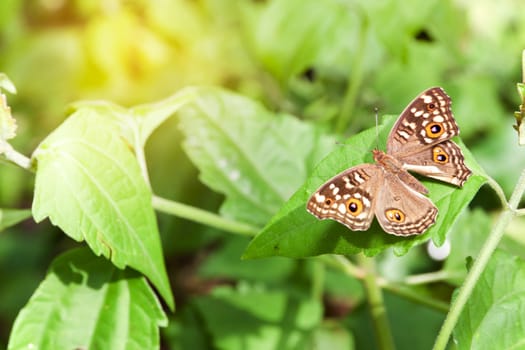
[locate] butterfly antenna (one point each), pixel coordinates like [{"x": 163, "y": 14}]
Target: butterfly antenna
[{"x": 377, "y": 128}]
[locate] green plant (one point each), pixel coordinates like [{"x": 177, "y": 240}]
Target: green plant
[{"x": 311, "y": 74}]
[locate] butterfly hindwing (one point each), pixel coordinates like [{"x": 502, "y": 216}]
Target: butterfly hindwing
[
  {"x": 443, "y": 161},
  {"x": 402, "y": 211}
]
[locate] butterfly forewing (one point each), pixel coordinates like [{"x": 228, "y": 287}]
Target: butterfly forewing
[
  {"x": 426, "y": 121},
  {"x": 348, "y": 197}
]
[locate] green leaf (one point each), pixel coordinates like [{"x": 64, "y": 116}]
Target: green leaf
[
  {"x": 257, "y": 319},
  {"x": 89, "y": 184},
  {"x": 293, "y": 232},
  {"x": 11, "y": 217},
  {"x": 7, "y": 122},
  {"x": 494, "y": 316},
  {"x": 255, "y": 158},
  {"x": 86, "y": 303},
  {"x": 7, "y": 84}
]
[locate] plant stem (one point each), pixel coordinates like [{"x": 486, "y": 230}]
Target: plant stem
[
  {"x": 432, "y": 277},
  {"x": 141, "y": 159},
  {"x": 499, "y": 191},
  {"x": 318, "y": 277},
  {"x": 202, "y": 216},
  {"x": 354, "y": 80},
  {"x": 345, "y": 265},
  {"x": 376, "y": 304},
  {"x": 15, "y": 157},
  {"x": 479, "y": 265}
]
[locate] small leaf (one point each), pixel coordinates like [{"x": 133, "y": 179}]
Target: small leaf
[
  {"x": 255, "y": 158},
  {"x": 11, "y": 217},
  {"x": 86, "y": 303},
  {"x": 7, "y": 124},
  {"x": 6, "y": 84},
  {"x": 89, "y": 184},
  {"x": 293, "y": 232},
  {"x": 494, "y": 316}
]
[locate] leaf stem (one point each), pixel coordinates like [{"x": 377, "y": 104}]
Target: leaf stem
[
  {"x": 499, "y": 191},
  {"x": 13, "y": 156},
  {"x": 376, "y": 304},
  {"x": 479, "y": 265},
  {"x": 202, "y": 216},
  {"x": 141, "y": 159}
]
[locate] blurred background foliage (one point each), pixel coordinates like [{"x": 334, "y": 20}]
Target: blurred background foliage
[{"x": 329, "y": 62}]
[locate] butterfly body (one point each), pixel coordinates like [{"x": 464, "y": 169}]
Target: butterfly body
[{"x": 419, "y": 141}]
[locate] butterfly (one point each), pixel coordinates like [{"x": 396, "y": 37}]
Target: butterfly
[{"x": 420, "y": 142}]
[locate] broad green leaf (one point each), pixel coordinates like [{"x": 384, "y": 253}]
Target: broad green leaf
[
  {"x": 86, "y": 303},
  {"x": 255, "y": 158},
  {"x": 89, "y": 184},
  {"x": 11, "y": 217},
  {"x": 258, "y": 319},
  {"x": 494, "y": 316},
  {"x": 294, "y": 232}
]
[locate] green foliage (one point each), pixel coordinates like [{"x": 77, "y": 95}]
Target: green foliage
[
  {"x": 265, "y": 319},
  {"x": 82, "y": 292},
  {"x": 179, "y": 190},
  {"x": 248, "y": 153},
  {"x": 494, "y": 316},
  {"x": 89, "y": 184}
]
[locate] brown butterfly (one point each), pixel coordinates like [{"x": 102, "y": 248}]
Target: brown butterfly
[{"x": 419, "y": 141}]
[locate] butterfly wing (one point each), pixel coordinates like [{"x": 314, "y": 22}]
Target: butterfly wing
[
  {"x": 401, "y": 210},
  {"x": 426, "y": 121},
  {"x": 443, "y": 161},
  {"x": 349, "y": 197}
]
